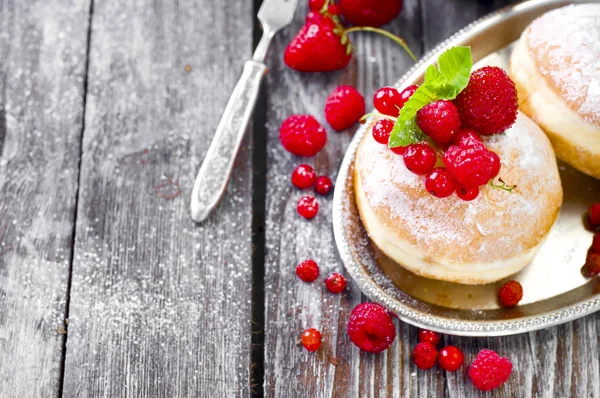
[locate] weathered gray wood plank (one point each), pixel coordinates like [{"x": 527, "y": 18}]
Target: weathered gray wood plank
[
  {"x": 160, "y": 306},
  {"x": 292, "y": 306},
  {"x": 42, "y": 70}
]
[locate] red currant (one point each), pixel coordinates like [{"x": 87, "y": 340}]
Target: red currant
[
  {"x": 440, "y": 183},
  {"x": 323, "y": 185},
  {"x": 382, "y": 130},
  {"x": 467, "y": 194},
  {"x": 399, "y": 150},
  {"x": 308, "y": 270},
  {"x": 429, "y": 336},
  {"x": 419, "y": 158},
  {"x": 388, "y": 100},
  {"x": 407, "y": 93},
  {"x": 596, "y": 243},
  {"x": 466, "y": 138},
  {"x": 304, "y": 176},
  {"x": 495, "y": 160},
  {"x": 308, "y": 207},
  {"x": 594, "y": 215},
  {"x": 335, "y": 283},
  {"x": 334, "y": 9},
  {"x": 450, "y": 358},
  {"x": 311, "y": 339}
]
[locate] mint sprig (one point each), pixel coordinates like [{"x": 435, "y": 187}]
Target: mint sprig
[{"x": 444, "y": 82}]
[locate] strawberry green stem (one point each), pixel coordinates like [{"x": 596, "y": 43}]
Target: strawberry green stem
[{"x": 386, "y": 34}]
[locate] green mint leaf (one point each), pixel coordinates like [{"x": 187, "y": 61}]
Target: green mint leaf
[
  {"x": 405, "y": 130},
  {"x": 453, "y": 73}
]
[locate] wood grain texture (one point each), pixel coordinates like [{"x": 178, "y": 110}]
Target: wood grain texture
[
  {"x": 160, "y": 306},
  {"x": 41, "y": 115}
]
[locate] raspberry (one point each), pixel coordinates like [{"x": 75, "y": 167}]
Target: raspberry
[
  {"x": 489, "y": 102},
  {"x": 311, "y": 339},
  {"x": 510, "y": 293},
  {"x": 335, "y": 283},
  {"x": 429, "y": 336},
  {"x": 440, "y": 183},
  {"x": 495, "y": 161},
  {"x": 451, "y": 358},
  {"x": 302, "y": 135},
  {"x": 594, "y": 216},
  {"x": 425, "y": 355},
  {"x": 382, "y": 130},
  {"x": 471, "y": 167},
  {"x": 466, "y": 138},
  {"x": 344, "y": 107},
  {"x": 592, "y": 263},
  {"x": 389, "y": 101},
  {"x": 419, "y": 158},
  {"x": 307, "y": 270},
  {"x": 467, "y": 194},
  {"x": 439, "y": 120},
  {"x": 308, "y": 207},
  {"x": 489, "y": 371},
  {"x": 370, "y": 327},
  {"x": 304, "y": 176},
  {"x": 323, "y": 185},
  {"x": 369, "y": 12},
  {"x": 596, "y": 243}
]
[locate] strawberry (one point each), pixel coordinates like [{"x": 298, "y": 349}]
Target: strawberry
[
  {"x": 370, "y": 12},
  {"x": 344, "y": 107}
]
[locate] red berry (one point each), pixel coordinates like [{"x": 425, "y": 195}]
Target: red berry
[
  {"x": 419, "y": 158},
  {"x": 429, "y": 336},
  {"x": 466, "y": 138},
  {"x": 369, "y": 12},
  {"x": 399, "y": 150},
  {"x": 382, "y": 130},
  {"x": 594, "y": 215},
  {"x": 425, "y": 355},
  {"x": 451, "y": 358},
  {"x": 304, "y": 176},
  {"x": 389, "y": 101},
  {"x": 467, "y": 194},
  {"x": 344, "y": 107},
  {"x": 311, "y": 339},
  {"x": 308, "y": 207},
  {"x": 323, "y": 185},
  {"x": 315, "y": 5},
  {"x": 302, "y": 135},
  {"x": 489, "y": 102},
  {"x": 333, "y": 9},
  {"x": 407, "y": 93},
  {"x": 489, "y": 371},
  {"x": 440, "y": 183},
  {"x": 439, "y": 120},
  {"x": 317, "y": 48},
  {"x": 596, "y": 243},
  {"x": 592, "y": 263},
  {"x": 471, "y": 167},
  {"x": 495, "y": 161},
  {"x": 335, "y": 283},
  {"x": 307, "y": 270},
  {"x": 370, "y": 327},
  {"x": 510, "y": 293}
]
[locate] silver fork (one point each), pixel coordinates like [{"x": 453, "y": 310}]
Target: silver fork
[{"x": 216, "y": 168}]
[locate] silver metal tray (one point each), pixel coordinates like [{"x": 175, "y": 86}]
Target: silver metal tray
[{"x": 555, "y": 291}]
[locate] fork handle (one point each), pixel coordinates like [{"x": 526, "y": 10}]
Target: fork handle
[{"x": 216, "y": 168}]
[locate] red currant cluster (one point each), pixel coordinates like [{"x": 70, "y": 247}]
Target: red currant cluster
[{"x": 304, "y": 177}]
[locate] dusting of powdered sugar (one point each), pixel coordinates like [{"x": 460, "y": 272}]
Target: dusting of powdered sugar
[{"x": 566, "y": 46}]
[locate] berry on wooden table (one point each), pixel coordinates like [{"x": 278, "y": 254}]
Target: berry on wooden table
[
  {"x": 335, "y": 283},
  {"x": 308, "y": 271},
  {"x": 429, "y": 336},
  {"x": 382, "y": 130},
  {"x": 467, "y": 194},
  {"x": 594, "y": 216},
  {"x": 370, "y": 327},
  {"x": 425, "y": 355},
  {"x": 440, "y": 183},
  {"x": 451, "y": 358},
  {"x": 419, "y": 158},
  {"x": 370, "y": 12},
  {"x": 308, "y": 207},
  {"x": 304, "y": 176},
  {"x": 439, "y": 120},
  {"x": 489, "y": 371},
  {"x": 510, "y": 293},
  {"x": 311, "y": 339},
  {"x": 389, "y": 101},
  {"x": 344, "y": 107},
  {"x": 592, "y": 263},
  {"x": 323, "y": 185},
  {"x": 302, "y": 135}
]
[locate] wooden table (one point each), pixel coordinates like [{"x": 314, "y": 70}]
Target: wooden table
[{"x": 108, "y": 289}]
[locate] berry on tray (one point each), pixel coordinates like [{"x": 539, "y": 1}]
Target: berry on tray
[
  {"x": 369, "y": 12},
  {"x": 439, "y": 120},
  {"x": 429, "y": 336},
  {"x": 311, "y": 339},
  {"x": 323, "y": 185},
  {"x": 594, "y": 216},
  {"x": 304, "y": 176},
  {"x": 302, "y": 135},
  {"x": 510, "y": 293},
  {"x": 489, "y": 371},
  {"x": 307, "y": 270},
  {"x": 370, "y": 327},
  {"x": 335, "y": 283},
  {"x": 440, "y": 183},
  {"x": 419, "y": 158},
  {"x": 344, "y": 107},
  {"x": 382, "y": 130},
  {"x": 451, "y": 358},
  {"x": 308, "y": 207},
  {"x": 425, "y": 355}
]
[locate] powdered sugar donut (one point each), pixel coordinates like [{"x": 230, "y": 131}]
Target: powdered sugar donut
[
  {"x": 477, "y": 242},
  {"x": 556, "y": 67}
]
